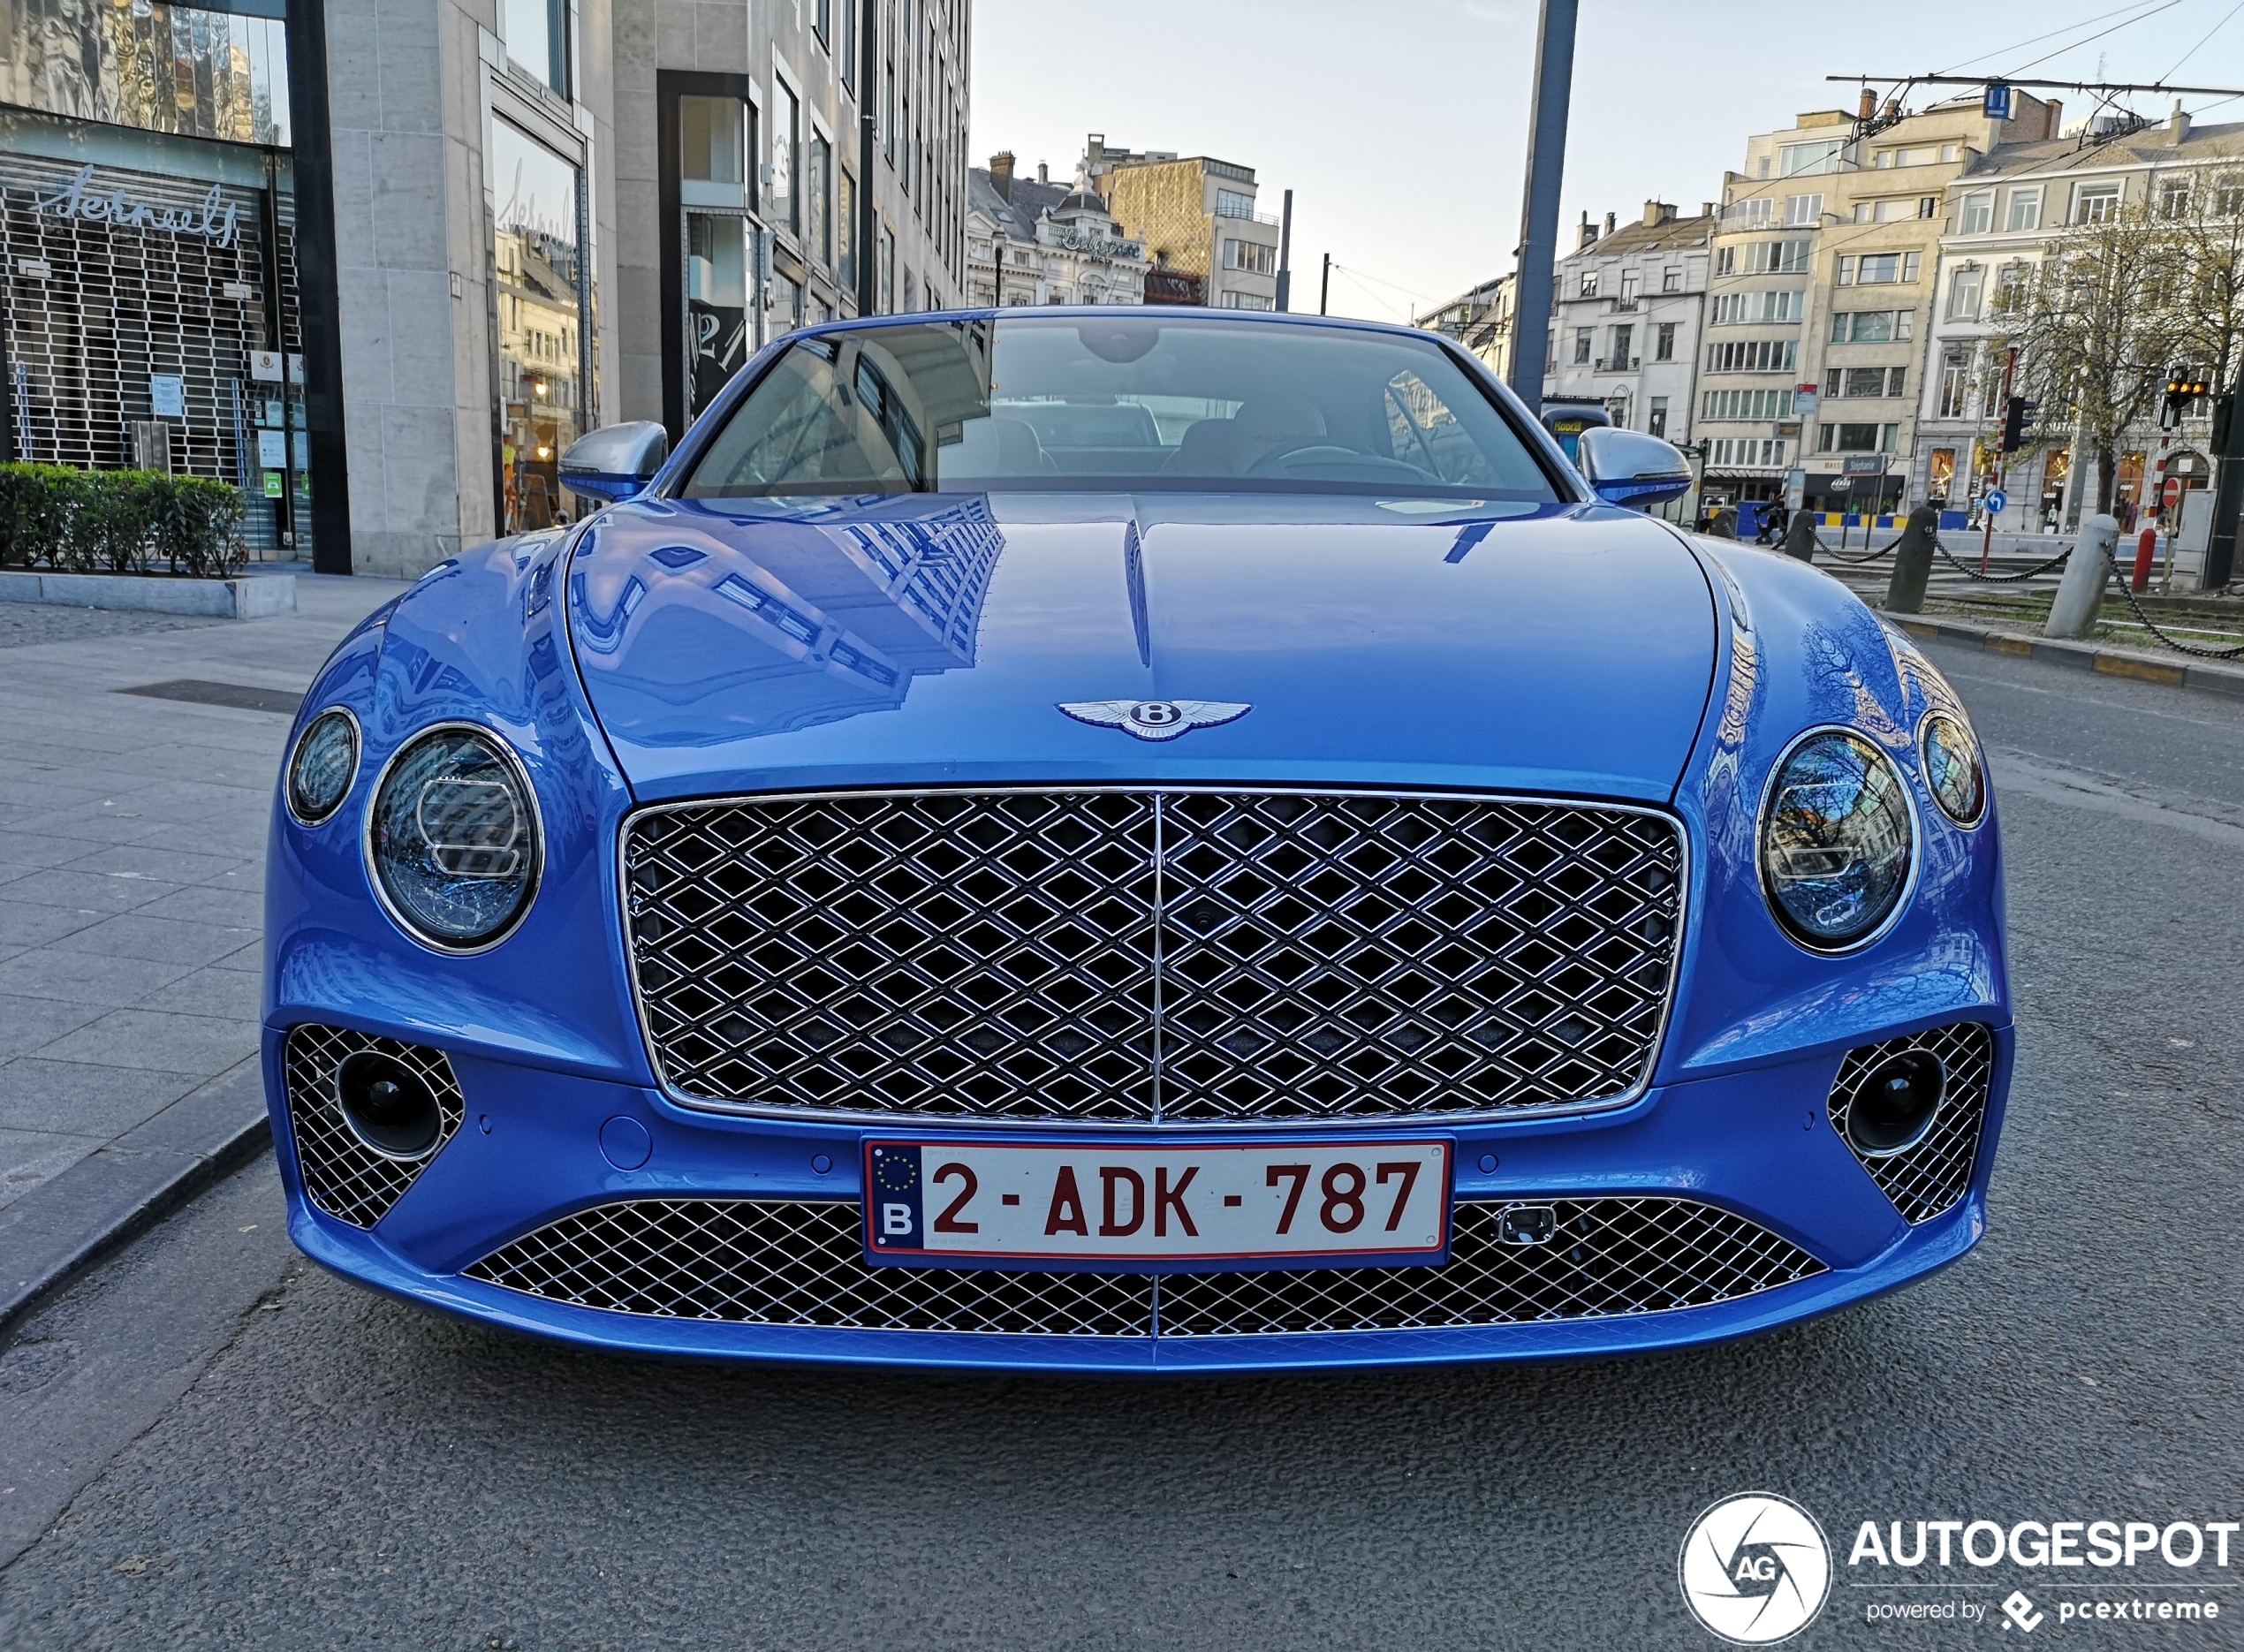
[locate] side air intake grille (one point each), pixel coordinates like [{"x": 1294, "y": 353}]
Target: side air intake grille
[
  {"x": 1931, "y": 1177},
  {"x": 342, "y": 1175},
  {"x": 801, "y": 1263}
]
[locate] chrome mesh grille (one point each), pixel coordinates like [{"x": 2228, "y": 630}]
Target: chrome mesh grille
[
  {"x": 1183, "y": 956},
  {"x": 342, "y": 1176},
  {"x": 801, "y": 1263},
  {"x": 1931, "y": 1177}
]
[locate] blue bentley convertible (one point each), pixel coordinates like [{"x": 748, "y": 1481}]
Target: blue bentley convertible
[{"x": 1132, "y": 840}]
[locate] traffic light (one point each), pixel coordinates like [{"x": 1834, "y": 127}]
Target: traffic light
[
  {"x": 2181, "y": 390},
  {"x": 2018, "y": 422}
]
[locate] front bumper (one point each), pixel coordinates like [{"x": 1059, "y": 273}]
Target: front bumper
[{"x": 528, "y": 1152}]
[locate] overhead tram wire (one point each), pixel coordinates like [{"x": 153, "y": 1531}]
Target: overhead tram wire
[
  {"x": 2035, "y": 40},
  {"x": 2207, "y": 34}
]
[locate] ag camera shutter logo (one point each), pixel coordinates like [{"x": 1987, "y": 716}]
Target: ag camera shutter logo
[{"x": 1756, "y": 1569}]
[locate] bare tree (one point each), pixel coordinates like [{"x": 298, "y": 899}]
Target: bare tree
[{"x": 2098, "y": 324}]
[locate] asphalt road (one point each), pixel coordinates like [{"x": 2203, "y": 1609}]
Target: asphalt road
[{"x": 209, "y": 1444}]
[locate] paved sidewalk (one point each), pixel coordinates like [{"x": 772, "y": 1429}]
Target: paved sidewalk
[{"x": 132, "y": 856}]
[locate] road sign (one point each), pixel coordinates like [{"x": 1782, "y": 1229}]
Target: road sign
[
  {"x": 1803, "y": 400},
  {"x": 1864, "y": 464},
  {"x": 2174, "y": 488},
  {"x": 1996, "y": 104},
  {"x": 1996, "y": 500}
]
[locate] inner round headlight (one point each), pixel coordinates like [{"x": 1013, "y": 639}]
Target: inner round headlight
[
  {"x": 1836, "y": 838},
  {"x": 454, "y": 837},
  {"x": 1952, "y": 768},
  {"x": 322, "y": 766}
]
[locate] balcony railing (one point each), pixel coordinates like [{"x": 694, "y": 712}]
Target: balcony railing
[{"x": 1617, "y": 364}]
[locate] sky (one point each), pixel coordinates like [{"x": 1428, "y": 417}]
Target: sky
[{"x": 1401, "y": 124}]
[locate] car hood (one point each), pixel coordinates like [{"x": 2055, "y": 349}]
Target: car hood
[{"x": 752, "y": 645}]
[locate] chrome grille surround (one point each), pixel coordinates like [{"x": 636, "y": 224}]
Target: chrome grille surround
[
  {"x": 342, "y": 1177},
  {"x": 1931, "y": 1177},
  {"x": 803, "y": 1263},
  {"x": 1143, "y": 955}
]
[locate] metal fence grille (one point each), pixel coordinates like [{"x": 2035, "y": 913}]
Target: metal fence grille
[
  {"x": 1180, "y": 956},
  {"x": 1931, "y": 1177},
  {"x": 342, "y": 1176},
  {"x": 803, "y": 1263}
]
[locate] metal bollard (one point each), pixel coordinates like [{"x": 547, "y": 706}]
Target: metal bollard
[
  {"x": 2081, "y": 594},
  {"x": 1912, "y": 562},
  {"x": 2146, "y": 548},
  {"x": 1800, "y": 536}
]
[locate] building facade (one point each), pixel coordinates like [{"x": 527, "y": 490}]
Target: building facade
[
  {"x": 1627, "y": 310},
  {"x": 1820, "y": 291},
  {"x": 380, "y": 264},
  {"x": 2001, "y": 217},
  {"x": 148, "y": 298},
  {"x": 1031, "y": 241},
  {"x": 1197, "y": 216},
  {"x": 1481, "y": 319}
]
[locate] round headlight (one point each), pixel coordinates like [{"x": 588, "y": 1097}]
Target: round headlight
[
  {"x": 453, "y": 838},
  {"x": 1836, "y": 840},
  {"x": 322, "y": 768},
  {"x": 1952, "y": 768}
]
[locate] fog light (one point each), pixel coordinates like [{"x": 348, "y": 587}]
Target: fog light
[
  {"x": 1897, "y": 1104},
  {"x": 388, "y": 1107}
]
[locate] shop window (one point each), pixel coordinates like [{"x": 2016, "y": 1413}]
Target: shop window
[
  {"x": 544, "y": 300},
  {"x": 784, "y": 204}
]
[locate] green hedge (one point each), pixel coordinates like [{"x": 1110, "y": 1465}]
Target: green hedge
[{"x": 118, "y": 521}]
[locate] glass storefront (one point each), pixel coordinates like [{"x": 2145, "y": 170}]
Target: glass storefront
[
  {"x": 544, "y": 312},
  {"x": 716, "y": 302},
  {"x": 157, "y": 67}
]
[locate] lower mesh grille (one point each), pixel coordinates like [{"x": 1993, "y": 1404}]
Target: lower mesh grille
[
  {"x": 801, "y": 1263},
  {"x": 342, "y": 1175},
  {"x": 1931, "y": 1177}
]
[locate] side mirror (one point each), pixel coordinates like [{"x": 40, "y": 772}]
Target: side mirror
[
  {"x": 1629, "y": 467},
  {"x": 616, "y": 461}
]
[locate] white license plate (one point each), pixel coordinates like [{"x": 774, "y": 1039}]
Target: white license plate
[{"x": 982, "y": 1203}]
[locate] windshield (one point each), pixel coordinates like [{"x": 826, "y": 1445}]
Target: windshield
[{"x": 1135, "y": 403}]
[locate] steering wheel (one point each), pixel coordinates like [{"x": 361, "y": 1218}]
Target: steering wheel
[{"x": 1312, "y": 454}]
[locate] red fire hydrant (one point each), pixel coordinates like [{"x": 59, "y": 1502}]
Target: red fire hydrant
[{"x": 2146, "y": 547}]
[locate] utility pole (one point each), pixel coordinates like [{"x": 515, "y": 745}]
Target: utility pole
[
  {"x": 868, "y": 58},
  {"x": 1538, "y": 254},
  {"x": 1285, "y": 256},
  {"x": 2002, "y": 461},
  {"x": 1325, "y": 287}
]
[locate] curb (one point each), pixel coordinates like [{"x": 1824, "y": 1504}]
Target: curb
[
  {"x": 125, "y": 1187},
  {"x": 2202, "y": 675}
]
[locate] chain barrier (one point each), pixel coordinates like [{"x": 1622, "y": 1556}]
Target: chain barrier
[
  {"x": 1999, "y": 579},
  {"x": 2119, "y": 577}
]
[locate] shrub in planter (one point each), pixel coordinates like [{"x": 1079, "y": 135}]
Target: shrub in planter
[
  {"x": 39, "y": 509},
  {"x": 194, "y": 522},
  {"x": 115, "y": 517}
]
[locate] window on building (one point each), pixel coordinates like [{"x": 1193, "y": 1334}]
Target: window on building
[
  {"x": 1245, "y": 301},
  {"x": 1725, "y": 260},
  {"x": 2228, "y": 197},
  {"x": 1753, "y": 212},
  {"x": 1873, "y": 326},
  {"x": 1741, "y": 405},
  {"x": 1804, "y": 210},
  {"x": 1963, "y": 294},
  {"x": 886, "y": 270},
  {"x": 845, "y": 230},
  {"x": 1252, "y": 256},
  {"x": 545, "y": 297},
  {"x": 1663, "y": 342},
  {"x": 2010, "y": 285},
  {"x": 784, "y": 204},
  {"x": 2094, "y": 203},
  {"x": 1631, "y": 281},
  {"x": 2174, "y": 198},
  {"x": 537, "y": 38},
  {"x": 1796, "y": 160},
  {"x": 1928, "y": 206},
  {"x": 1231, "y": 203},
  {"x": 1754, "y": 355},
  {"x": 1978, "y": 215},
  {"x": 1624, "y": 341},
  {"x": 1656, "y": 418},
  {"x": 821, "y": 20},
  {"x": 712, "y": 141},
  {"x": 1884, "y": 211},
  {"x": 2025, "y": 211},
  {"x": 1672, "y": 278},
  {"x": 1585, "y": 340},
  {"x": 848, "y": 52},
  {"x": 1872, "y": 270},
  {"x": 1731, "y": 309},
  {"x": 1588, "y": 288},
  {"x": 1848, "y": 438}
]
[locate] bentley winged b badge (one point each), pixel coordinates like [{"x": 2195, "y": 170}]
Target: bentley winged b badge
[{"x": 1155, "y": 719}]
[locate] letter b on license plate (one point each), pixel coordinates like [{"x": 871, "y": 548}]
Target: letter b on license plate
[{"x": 1182, "y": 1208}]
